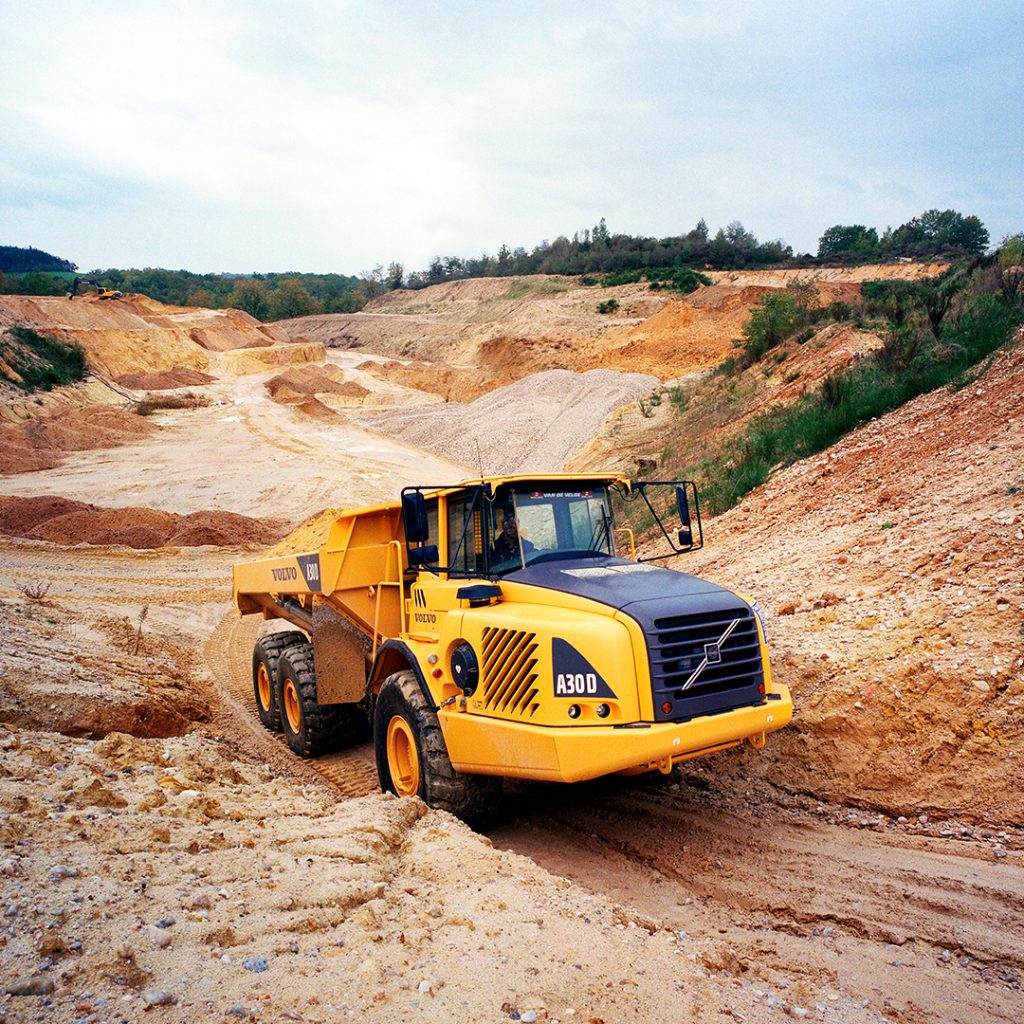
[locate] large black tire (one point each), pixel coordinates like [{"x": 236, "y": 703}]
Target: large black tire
[
  {"x": 265, "y": 658},
  {"x": 313, "y": 729},
  {"x": 473, "y": 798}
]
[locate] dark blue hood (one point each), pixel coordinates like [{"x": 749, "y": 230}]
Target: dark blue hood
[{"x": 616, "y": 582}]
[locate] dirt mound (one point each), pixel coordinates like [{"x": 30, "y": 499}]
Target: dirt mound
[
  {"x": 56, "y": 519},
  {"x": 88, "y": 678},
  {"x": 893, "y": 565},
  {"x": 135, "y": 334},
  {"x": 42, "y": 443},
  {"x": 308, "y": 536},
  {"x": 453, "y": 384},
  {"x": 165, "y": 380},
  {"x": 538, "y": 423},
  {"x": 300, "y": 383}
]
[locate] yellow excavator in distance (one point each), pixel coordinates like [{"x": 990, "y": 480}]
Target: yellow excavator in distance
[
  {"x": 492, "y": 630},
  {"x": 101, "y": 291}
]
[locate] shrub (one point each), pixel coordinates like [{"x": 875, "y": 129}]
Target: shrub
[
  {"x": 609, "y": 306},
  {"x": 42, "y": 362}
]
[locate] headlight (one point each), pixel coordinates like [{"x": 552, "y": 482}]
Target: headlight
[{"x": 759, "y": 612}]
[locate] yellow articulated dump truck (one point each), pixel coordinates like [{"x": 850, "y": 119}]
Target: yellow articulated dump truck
[{"x": 492, "y": 630}]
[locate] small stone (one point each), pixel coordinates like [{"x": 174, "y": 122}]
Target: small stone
[
  {"x": 160, "y": 937},
  {"x": 201, "y": 902},
  {"x": 256, "y": 964},
  {"x": 158, "y": 997},
  {"x": 238, "y": 1010},
  {"x": 12, "y": 867},
  {"x": 1000, "y": 854},
  {"x": 167, "y": 921},
  {"x": 799, "y": 1011},
  {"x": 425, "y": 987},
  {"x": 59, "y": 871},
  {"x": 980, "y": 684},
  {"x": 923, "y": 818},
  {"x": 33, "y": 986},
  {"x": 293, "y": 947},
  {"x": 529, "y": 1017}
]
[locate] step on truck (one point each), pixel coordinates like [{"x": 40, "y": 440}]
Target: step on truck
[{"x": 493, "y": 630}]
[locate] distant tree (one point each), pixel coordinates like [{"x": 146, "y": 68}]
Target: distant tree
[
  {"x": 38, "y": 283},
  {"x": 1011, "y": 251},
  {"x": 15, "y": 260},
  {"x": 394, "y": 276},
  {"x": 290, "y": 299},
  {"x": 201, "y": 297},
  {"x": 937, "y": 232},
  {"x": 852, "y": 240},
  {"x": 250, "y": 296},
  {"x": 3, "y": 283}
]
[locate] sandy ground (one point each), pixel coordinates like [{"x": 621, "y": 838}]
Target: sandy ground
[{"x": 245, "y": 454}]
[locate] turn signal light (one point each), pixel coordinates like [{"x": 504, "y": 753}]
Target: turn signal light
[
  {"x": 760, "y": 687},
  {"x": 666, "y": 708}
]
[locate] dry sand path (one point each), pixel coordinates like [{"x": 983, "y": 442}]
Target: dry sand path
[{"x": 247, "y": 454}]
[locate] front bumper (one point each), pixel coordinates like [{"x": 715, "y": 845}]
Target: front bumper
[{"x": 491, "y": 746}]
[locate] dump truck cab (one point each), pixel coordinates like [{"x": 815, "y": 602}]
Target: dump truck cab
[{"x": 501, "y": 622}]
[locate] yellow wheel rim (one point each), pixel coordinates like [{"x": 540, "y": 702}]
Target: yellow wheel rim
[
  {"x": 403, "y": 759},
  {"x": 263, "y": 687},
  {"x": 292, "y": 710}
]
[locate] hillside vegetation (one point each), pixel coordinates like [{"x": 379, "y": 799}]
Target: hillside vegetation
[
  {"x": 767, "y": 407},
  {"x": 32, "y": 361}
]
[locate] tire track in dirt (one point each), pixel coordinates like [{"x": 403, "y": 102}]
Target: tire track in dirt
[{"x": 782, "y": 894}]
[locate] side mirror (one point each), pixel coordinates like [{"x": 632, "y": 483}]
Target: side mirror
[
  {"x": 414, "y": 515},
  {"x": 683, "y": 505}
]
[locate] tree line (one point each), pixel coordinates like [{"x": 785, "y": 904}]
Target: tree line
[
  {"x": 596, "y": 254},
  {"x": 935, "y": 233}
]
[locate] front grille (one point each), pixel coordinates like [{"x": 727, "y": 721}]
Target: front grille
[
  {"x": 509, "y": 672},
  {"x": 684, "y": 672}
]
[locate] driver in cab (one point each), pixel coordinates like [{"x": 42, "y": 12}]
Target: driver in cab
[{"x": 509, "y": 547}]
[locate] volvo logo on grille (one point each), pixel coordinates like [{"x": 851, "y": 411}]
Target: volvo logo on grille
[{"x": 712, "y": 654}]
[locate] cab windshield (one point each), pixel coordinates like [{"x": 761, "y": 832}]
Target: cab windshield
[{"x": 529, "y": 526}]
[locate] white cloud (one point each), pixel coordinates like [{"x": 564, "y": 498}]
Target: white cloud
[{"x": 333, "y": 136}]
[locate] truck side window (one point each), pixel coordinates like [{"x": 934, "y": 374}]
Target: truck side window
[{"x": 465, "y": 534}]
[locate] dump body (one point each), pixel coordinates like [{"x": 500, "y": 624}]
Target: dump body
[{"x": 547, "y": 656}]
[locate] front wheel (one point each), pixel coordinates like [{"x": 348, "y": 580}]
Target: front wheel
[{"x": 412, "y": 759}]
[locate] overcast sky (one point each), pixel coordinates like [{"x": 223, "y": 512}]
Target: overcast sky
[{"x": 332, "y": 136}]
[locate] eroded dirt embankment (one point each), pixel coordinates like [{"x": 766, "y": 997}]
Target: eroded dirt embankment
[
  {"x": 893, "y": 569},
  {"x": 499, "y": 330}
]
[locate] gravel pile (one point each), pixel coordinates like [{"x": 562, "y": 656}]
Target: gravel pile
[{"x": 534, "y": 425}]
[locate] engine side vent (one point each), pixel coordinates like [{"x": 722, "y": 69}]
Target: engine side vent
[{"x": 509, "y": 672}]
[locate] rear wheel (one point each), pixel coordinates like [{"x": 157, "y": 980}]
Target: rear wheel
[
  {"x": 312, "y": 729},
  {"x": 265, "y": 658},
  {"x": 412, "y": 759}
]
